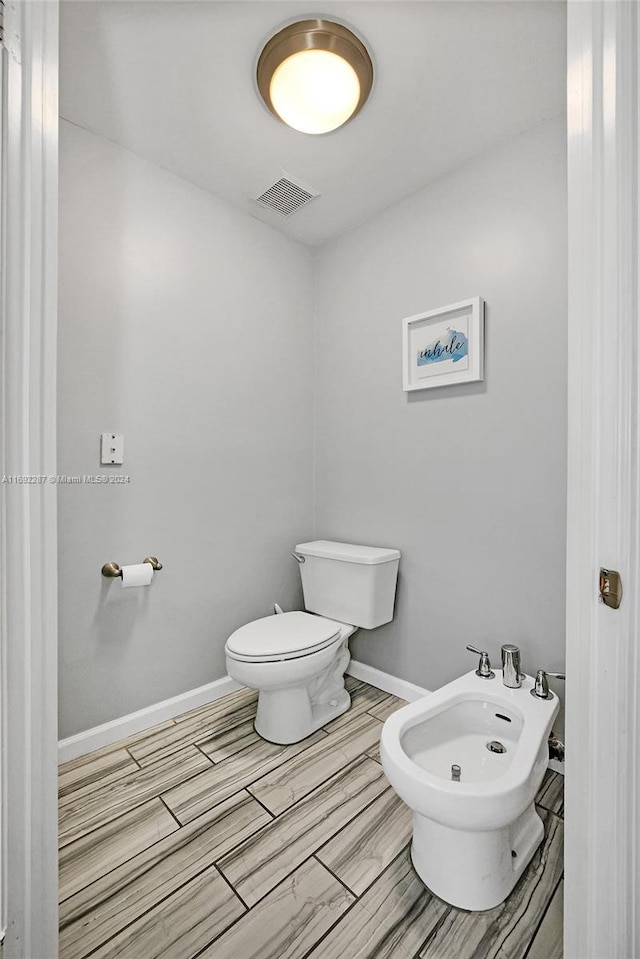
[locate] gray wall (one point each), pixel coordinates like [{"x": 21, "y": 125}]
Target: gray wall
[
  {"x": 189, "y": 327},
  {"x": 186, "y": 326},
  {"x": 469, "y": 482}
]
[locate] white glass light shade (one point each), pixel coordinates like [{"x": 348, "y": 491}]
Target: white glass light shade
[
  {"x": 314, "y": 75},
  {"x": 315, "y": 91}
]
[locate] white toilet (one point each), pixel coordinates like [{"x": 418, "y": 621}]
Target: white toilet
[
  {"x": 468, "y": 760},
  {"x": 297, "y": 660}
]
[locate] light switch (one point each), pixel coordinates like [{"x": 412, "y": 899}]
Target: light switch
[{"x": 112, "y": 449}]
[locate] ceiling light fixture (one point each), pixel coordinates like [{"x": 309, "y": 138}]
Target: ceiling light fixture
[{"x": 315, "y": 75}]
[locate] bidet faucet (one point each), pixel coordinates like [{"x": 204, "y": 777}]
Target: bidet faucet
[
  {"x": 541, "y": 686},
  {"x": 484, "y": 666},
  {"x": 511, "y": 675}
]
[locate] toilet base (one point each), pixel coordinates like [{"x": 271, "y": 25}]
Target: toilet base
[
  {"x": 474, "y": 870},
  {"x": 287, "y": 715}
]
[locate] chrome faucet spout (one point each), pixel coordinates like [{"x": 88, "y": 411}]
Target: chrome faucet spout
[{"x": 511, "y": 675}]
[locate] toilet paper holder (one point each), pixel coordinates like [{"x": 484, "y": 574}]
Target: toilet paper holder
[{"x": 112, "y": 569}]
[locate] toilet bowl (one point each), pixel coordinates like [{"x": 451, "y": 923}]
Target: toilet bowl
[
  {"x": 472, "y": 837},
  {"x": 296, "y": 661}
]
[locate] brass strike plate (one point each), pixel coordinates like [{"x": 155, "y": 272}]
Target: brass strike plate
[{"x": 611, "y": 587}]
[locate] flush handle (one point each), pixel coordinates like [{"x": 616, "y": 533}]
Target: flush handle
[{"x": 610, "y": 587}]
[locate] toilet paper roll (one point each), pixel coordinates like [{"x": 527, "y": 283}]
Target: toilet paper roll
[{"x": 139, "y": 574}]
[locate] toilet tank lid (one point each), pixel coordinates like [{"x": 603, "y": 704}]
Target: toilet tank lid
[{"x": 348, "y": 552}]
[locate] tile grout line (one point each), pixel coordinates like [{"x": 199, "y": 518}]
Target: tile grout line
[
  {"x": 181, "y": 826},
  {"x": 436, "y": 929},
  {"x": 539, "y": 802},
  {"x": 123, "y": 774},
  {"x": 145, "y": 912},
  {"x": 123, "y": 743},
  {"x": 250, "y": 909},
  {"x": 550, "y": 812},
  {"x": 135, "y": 805},
  {"x": 277, "y": 815},
  {"x": 124, "y": 861},
  {"x": 212, "y": 761},
  {"x": 542, "y": 917},
  {"x": 543, "y": 862},
  {"x": 354, "y": 817},
  {"x": 274, "y": 817},
  {"x": 173, "y": 816},
  {"x": 394, "y": 860},
  {"x": 288, "y": 876},
  {"x": 233, "y": 890},
  {"x": 357, "y": 899},
  {"x": 180, "y": 744},
  {"x": 296, "y": 756},
  {"x": 314, "y": 853},
  {"x": 365, "y": 712},
  {"x": 93, "y": 785},
  {"x": 352, "y": 892},
  {"x": 128, "y": 751},
  {"x": 339, "y": 919},
  {"x": 146, "y": 849},
  {"x": 175, "y": 724},
  {"x": 246, "y": 786}
]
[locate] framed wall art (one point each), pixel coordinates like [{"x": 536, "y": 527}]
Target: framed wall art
[{"x": 444, "y": 347}]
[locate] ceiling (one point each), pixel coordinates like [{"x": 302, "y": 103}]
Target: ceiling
[{"x": 173, "y": 81}]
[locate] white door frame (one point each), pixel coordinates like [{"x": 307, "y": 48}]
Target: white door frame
[
  {"x": 603, "y": 661},
  {"x": 602, "y": 887},
  {"x": 28, "y": 581}
]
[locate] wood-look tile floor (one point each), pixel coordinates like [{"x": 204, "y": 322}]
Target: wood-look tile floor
[{"x": 199, "y": 839}]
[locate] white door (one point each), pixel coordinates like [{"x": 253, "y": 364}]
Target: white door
[
  {"x": 602, "y": 861},
  {"x": 28, "y": 555}
]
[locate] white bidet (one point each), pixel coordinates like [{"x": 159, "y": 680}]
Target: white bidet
[{"x": 469, "y": 759}]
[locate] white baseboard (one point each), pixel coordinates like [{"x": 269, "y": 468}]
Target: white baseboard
[
  {"x": 386, "y": 682},
  {"x": 112, "y": 732},
  {"x": 137, "y": 722}
]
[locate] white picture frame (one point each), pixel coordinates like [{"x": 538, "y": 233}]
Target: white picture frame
[{"x": 444, "y": 347}]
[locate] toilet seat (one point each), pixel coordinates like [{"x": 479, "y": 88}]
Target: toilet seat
[{"x": 282, "y": 637}]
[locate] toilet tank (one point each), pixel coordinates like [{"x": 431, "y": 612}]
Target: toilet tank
[{"x": 353, "y": 584}]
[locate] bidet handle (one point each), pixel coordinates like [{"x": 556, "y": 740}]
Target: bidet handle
[
  {"x": 484, "y": 666},
  {"x": 541, "y": 686}
]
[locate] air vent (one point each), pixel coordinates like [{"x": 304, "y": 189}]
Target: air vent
[{"x": 286, "y": 195}]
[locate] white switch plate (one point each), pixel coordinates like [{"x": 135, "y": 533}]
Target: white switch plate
[{"x": 112, "y": 449}]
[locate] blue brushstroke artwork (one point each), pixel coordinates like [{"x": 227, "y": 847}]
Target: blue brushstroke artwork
[{"x": 454, "y": 346}]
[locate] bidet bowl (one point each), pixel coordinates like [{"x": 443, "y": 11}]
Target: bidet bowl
[{"x": 454, "y": 725}]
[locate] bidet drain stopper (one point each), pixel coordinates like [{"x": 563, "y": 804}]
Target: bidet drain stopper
[{"x": 495, "y": 747}]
